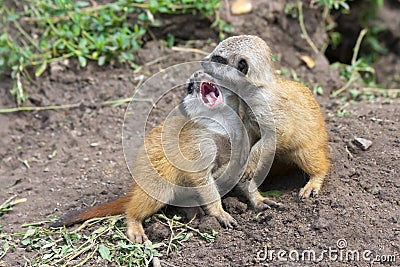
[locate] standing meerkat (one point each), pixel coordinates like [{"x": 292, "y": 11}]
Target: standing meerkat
[
  {"x": 193, "y": 151},
  {"x": 301, "y": 135}
]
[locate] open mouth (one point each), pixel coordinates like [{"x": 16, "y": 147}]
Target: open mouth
[{"x": 210, "y": 94}]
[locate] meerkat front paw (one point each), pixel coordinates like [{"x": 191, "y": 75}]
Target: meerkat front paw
[
  {"x": 225, "y": 219},
  {"x": 140, "y": 238},
  {"x": 311, "y": 189},
  {"x": 263, "y": 203},
  {"x": 136, "y": 232}
]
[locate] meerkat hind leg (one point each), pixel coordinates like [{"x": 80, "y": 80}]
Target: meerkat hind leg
[
  {"x": 139, "y": 208},
  {"x": 247, "y": 184},
  {"x": 214, "y": 206},
  {"x": 314, "y": 162},
  {"x": 313, "y": 187},
  {"x": 216, "y": 210},
  {"x": 135, "y": 231}
]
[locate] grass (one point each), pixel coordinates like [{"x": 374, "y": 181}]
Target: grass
[
  {"x": 38, "y": 33},
  {"x": 272, "y": 193},
  {"x": 99, "y": 240},
  {"x": 359, "y": 76},
  {"x": 116, "y": 102},
  {"x": 9, "y": 203}
]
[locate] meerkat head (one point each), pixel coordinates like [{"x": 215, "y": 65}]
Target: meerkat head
[
  {"x": 206, "y": 96},
  {"x": 248, "y": 54}
]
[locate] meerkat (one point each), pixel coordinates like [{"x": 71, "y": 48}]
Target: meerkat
[
  {"x": 209, "y": 138},
  {"x": 301, "y": 135}
]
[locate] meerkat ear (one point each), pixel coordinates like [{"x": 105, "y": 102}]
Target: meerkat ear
[{"x": 243, "y": 67}]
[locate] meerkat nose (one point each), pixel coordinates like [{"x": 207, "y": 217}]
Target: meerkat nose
[
  {"x": 206, "y": 58},
  {"x": 204, "y": 61}
]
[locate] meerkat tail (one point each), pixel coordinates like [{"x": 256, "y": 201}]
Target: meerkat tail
[{"x": 114, "y": 207}]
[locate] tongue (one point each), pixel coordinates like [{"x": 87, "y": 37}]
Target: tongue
[{"x": 211, "y": 97}]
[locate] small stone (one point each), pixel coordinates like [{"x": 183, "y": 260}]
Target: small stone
[
  {"x": 46, "y": 170},
  {"x": 309, "y": 61},
  {"x": 375, "y": 190},
  {"x": 94, "y": 144},
  {"x": 240, "y": 7},
  {"x": 321, "y": 224},
  {"x": 56, "y": 67},
  {"x": 363, "y": 143}
]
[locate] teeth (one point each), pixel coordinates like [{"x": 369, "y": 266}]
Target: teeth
[
  {"x": 209, "y": 93},
  {"x": 209, "y": 99}
]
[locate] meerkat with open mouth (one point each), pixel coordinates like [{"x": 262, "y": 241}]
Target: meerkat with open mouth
[
  {"x": 184, "y": 152},
  {"x": 301, "y": 135}
]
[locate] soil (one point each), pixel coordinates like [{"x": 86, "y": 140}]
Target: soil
[{"x": 359, "y": 202}]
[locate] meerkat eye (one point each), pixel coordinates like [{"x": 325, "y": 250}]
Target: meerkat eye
[
  {"x": 190, "y": 88},
  {"x": 243, "y": 67},
  {"x": 219, "y": 59}
]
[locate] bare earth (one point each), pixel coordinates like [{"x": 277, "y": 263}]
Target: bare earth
[{"x": 359, "y": 202}]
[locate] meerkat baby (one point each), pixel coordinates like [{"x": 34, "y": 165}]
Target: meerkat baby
[
  {"x": 301, "y": 135},
  {"x": 200, "y": 151}
]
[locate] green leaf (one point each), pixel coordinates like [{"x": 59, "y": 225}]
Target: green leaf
[
  {"x": 104, "y": 252},
  {"x": 170, "y": 40},
  {"x": 47, "y": 256},
  {"x": 76, "y": 30},
  {"x": 25, "y": 241},
  {"x": 127, "y": 56},
  {"x": 83, "y": 43},
  {"x": 6, "y": 246},
  {"x": 39, "y": 71},
  {"x": 345, "y": 6},
  {"x": 157, "y": 245},
  {"x": 29, "y": 233},
  {"x": 272, "y": 193},
  {"x": 100, "y": 230},
  {"x": 12, "y": 17},
  {"x": 101, "y": 60},
  {"x": 82, "y": 4},
  {"x": 82, "y": 61}
]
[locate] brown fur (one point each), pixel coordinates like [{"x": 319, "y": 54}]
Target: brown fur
[
  {"x": 301, "y": 139},
  {"x": 301, "y": 136},
  {"x": 141, "y": 204},
  {"x": 114, "y": 207},
  {"x": 174, "y": 135}
]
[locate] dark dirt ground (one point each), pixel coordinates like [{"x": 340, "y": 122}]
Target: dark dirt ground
[{"x": 359, "y": 202}]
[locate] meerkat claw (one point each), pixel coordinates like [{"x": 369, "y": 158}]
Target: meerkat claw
[
  {"x": 308, "y": 191},
  {"x": 140, "y": 239},
  {"x": 272, "y": 203},
  {"x": 226, "y": 220},
  {"x": 265, "y": 203}
]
